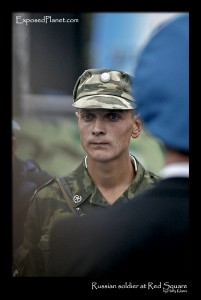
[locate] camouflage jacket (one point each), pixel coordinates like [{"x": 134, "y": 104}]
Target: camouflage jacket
[{"x": 48, "y": 204}]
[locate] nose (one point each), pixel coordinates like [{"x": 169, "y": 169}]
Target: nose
[{"x": 98, "y": 128}]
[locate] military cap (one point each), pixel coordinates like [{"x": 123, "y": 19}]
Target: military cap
[
  {"x": 104, "y": 88},
  {"x": 161, "y": 84}
]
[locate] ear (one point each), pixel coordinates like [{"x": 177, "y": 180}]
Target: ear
[
  {"x": 137, "y": 127},
  {"x": 77, "y": 114},
  {"x": 78, "y": 118}
]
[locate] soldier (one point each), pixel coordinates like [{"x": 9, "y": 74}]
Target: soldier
[
  {"x": 148, "y": 238},
  {"x": 108, "y": 174}
]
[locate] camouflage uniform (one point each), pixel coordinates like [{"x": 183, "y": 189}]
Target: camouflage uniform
[
  {"x": 106, "y": 89},
  {"x": 48, "y": 204}
]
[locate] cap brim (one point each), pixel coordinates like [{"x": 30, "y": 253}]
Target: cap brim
[{"x": 104, "y": 102}]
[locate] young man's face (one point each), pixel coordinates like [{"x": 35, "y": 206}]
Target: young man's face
[{"x": 105, "y": 134}]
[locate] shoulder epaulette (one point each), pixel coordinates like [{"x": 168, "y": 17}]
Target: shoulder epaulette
[
  {"x": 68, "y": 196},
  {"x": 42, "y": 186}
]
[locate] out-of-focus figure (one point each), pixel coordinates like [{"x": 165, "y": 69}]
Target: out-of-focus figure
[{"x": 27, "y": 176}]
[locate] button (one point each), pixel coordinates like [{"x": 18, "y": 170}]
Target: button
[{"x": 105, "y": 77}]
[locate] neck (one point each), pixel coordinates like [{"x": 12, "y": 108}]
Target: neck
[
  {"x": 112, "y": 178},
  {"x": 111, "y": 173}
]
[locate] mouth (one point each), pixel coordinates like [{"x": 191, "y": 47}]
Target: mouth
[{"x": 98, "y": 144}]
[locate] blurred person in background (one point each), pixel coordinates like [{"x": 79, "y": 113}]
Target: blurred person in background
[
  {"x": 27, "y": 176},
  {"x": 108, "y": 174},
  {"x": 147, "y": 238}
]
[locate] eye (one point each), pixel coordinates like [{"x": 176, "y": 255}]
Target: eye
[
  {"x": 87, "y": 116},
  {"x": 113, "y": 116}
]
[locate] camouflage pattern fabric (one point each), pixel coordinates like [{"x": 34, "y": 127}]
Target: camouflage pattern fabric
[
  {"x": 104, "y": 88},
  {"x": 48, "y": 204}
]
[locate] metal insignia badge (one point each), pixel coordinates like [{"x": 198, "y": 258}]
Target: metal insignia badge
[
  {"x": 105, "y": 77},
  {"x": 77, "y": 198}
]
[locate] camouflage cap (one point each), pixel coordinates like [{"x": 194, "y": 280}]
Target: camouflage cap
[{"x": 104, "y": 88}]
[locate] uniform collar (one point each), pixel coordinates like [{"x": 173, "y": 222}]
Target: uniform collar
[
  {"x": 79, "y": 196},
  {"x": 133, "y": 160}
]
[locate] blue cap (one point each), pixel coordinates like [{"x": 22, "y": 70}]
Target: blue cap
[{"x": 161, "y": 85}]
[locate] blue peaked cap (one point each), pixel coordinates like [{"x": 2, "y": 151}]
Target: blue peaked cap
[{"x": 161, "y": 85}]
